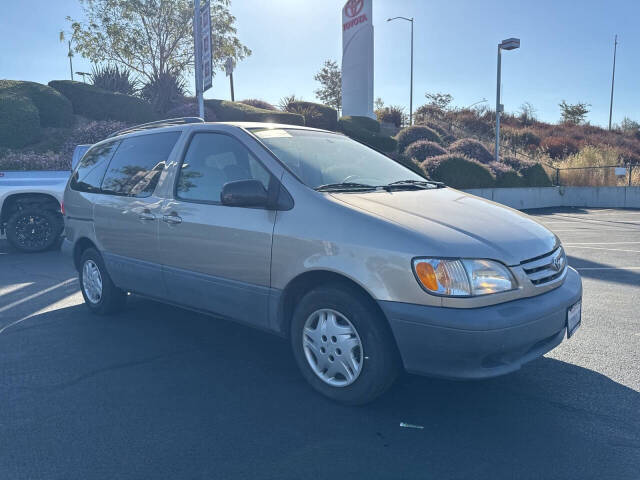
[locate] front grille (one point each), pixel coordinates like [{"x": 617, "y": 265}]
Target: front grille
[{"x": 545, "y": 268}]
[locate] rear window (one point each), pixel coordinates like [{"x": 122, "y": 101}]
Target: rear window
[
  {"x": 88, "y": 176},
  {"x": 135, "y": 168}
]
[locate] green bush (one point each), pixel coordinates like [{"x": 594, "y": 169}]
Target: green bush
[
  {"x": 315, "y": 115},
  {"x": 54, "y": 109},
  {"x": 458, "y": 171},
  {"x": 239, "y": 112},
  {"x": 99, "y": 104},
  {"x": 365, "y": 130},
  {"x": 19, "y": 121},
  {"x": 472, "y": 149},
  {"x": 408, "y": 135},
  {"x": 423, "y": 149},
  {"x": 536, "y": 176},
  {"x": 256, "y": 102},
  {"x": 506, "y": 176}
]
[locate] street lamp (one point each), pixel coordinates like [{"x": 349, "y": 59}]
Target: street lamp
[
  {"x": 84, "y": 74},
  {"x": 508, "y": 44},
  {"x": 411, "y": 87}
]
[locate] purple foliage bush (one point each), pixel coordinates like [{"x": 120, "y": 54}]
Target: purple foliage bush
[
  {"x": 423, "y": 149},
  {"x": 472, "y": 149},
  {"x": 12, "y": 160}
]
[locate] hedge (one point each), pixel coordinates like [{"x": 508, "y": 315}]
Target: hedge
[
  {"x": 535, "y": 176},
  {"x": 54, "y": 109},
  {"x": 364, "y": 129},
  {"x": 506, "y": 176},
  {"x": 99, "y": 104},
  {"x": 472, "y": 149},
  {"x": 239, "y": 112},
  {"x": 316, "y": 115},
  {"x": 408, "y": 135},
  {"x": 423, "y": 149},
  {"x": 19, "y": 121},
  {"x": 458, "y": 171}
]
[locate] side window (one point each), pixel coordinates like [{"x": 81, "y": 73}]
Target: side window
[
  {"x": 87, "y": 177},
  {"x": 136, "y": 165},
  {"x": 212, "y": 160}
]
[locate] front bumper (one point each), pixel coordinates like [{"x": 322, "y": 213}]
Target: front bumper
[{"x": 481, "y": 342}]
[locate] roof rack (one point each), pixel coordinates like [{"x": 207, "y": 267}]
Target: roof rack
[{"x": 157, "y": 124}]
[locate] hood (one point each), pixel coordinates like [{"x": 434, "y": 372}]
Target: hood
[{"x": 456, "y": 224}]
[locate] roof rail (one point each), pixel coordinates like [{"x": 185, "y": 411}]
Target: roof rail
[{"x": 157, "y": 124}]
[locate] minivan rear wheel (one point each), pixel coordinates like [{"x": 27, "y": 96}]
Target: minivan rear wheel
[
  {"x": 99, "y": 292},
  {"x": 342, "y": 345}
]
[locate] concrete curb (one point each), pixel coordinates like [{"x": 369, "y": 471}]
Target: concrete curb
[{"x": 544, "y": 197}]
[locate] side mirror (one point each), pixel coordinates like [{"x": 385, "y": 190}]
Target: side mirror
[{"x": 244, "y": 193}]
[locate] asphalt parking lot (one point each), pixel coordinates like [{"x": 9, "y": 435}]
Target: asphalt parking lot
[{"x": 158, "y": 392}]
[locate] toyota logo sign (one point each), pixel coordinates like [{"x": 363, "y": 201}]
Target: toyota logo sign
[{"x": 353, "y": 7}]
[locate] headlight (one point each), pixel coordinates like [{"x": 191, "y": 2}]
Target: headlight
[{"x": 463, "y": 277}]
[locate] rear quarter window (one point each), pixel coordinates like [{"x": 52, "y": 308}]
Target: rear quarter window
[
  {"x": 87, "y": 177},
  {"x": 136, "y": 166}
]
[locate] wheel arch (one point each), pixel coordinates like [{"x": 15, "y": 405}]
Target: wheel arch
[
  {"x": 307, "y": 281},
  {"x": 79, "y": 247},
  {"x": 22, "y": 200}
]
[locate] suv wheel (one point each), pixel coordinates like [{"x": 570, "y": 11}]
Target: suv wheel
[
  {"x": 99, "y": 292},
  {"x": 33, "y": 229},
  {"x": 342, "y": 346}
]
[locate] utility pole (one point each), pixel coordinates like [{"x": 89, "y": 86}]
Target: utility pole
[
  {"x": 198, "y": 56},
  {"x": 613, "y": 78}
]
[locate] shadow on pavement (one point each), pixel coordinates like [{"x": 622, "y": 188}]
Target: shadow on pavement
[
  {"x": 606, "y": 272},
  {"x": 159, "y": 392}
]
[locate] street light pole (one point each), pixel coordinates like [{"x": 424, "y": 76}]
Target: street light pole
[
  {"x": 508, "y": 44},
  {"x": 198, "y": 56},
  {"x": 411, "y": 86},
  {"x": 613, "y": 78}
]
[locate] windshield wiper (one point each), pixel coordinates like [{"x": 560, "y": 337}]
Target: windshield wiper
[
  {"x": 423, "y": 183},
  {"x": 344, "y": 186}
]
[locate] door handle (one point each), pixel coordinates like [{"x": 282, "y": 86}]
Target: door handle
[
  {"x": 146, "y": 216},
  {"x": 172, "y": 219}
]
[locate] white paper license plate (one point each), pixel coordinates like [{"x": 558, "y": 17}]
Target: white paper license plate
[{"x": 574, "y": 317}]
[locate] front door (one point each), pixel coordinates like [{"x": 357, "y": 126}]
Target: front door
[{"x": 215, "y": 257}]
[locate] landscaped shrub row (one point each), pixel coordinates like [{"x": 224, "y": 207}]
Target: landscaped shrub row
[
  {"x": 98, "y": 104},
  {"x": 54, "y": 109},
  {"x": 239, "y": 112},
  {"x": 366, "y": 130},
  {"x": 423, "y": 149},
  {"x": 458, "y": 171},
  {"x": 472, "y": 149},
  {"x": 19, "y": 121},
  {"x": 408, "y": 135},
  {"x": 315, "y": 115}
]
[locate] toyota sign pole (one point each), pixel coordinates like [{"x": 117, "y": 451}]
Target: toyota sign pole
[
  {"x": 228, "y": 68},
  {"x": 198, "y": 57}
]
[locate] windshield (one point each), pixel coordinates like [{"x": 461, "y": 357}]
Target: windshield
[{"x": 321, "y": 158}]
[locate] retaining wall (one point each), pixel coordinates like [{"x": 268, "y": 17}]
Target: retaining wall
[{"x": 543, "y": 197}]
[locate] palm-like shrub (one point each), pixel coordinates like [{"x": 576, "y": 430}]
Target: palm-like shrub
[
  {"x": 114, "y": 79},
  {"x": 408, "y": 135},
  {"x": 164, "y": 92},
  {"x": 423, "y": 149},
  {"x": 472, "y": 149}
]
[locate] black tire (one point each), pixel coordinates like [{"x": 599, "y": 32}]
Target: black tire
[
  {"x": 112, "y": 299},
  {"x": 34, "y": 229},
  {"x": 380, "y": 359}
]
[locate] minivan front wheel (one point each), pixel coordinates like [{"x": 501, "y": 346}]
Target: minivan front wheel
[
  {"x": 99, "y": 292},
  {"x": 342, "y": 345}
]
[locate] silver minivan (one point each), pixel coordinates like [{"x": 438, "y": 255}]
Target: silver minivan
[{"x": 366, "y": 266}]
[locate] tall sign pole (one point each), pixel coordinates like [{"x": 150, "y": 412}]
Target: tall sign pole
[
  {"x": 205, "y": 33},
  {"x": 613, "y": 78},
  {"x": 357, "y": 58},
  {"x": 228, "y": 67},
  {"x": 198, "y": 56}
]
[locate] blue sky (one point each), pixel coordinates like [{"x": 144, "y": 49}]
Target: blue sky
[{"x": 567, "y": 48}]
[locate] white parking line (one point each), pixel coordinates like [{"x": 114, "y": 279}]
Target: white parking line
[
  {"x": 600, "y": 243},
  {"x": 610, "y": 249},
  {"x": 607, "y": 268},
  {"x": 54, "y": 306},
  {"x": 13, "y": 288}
]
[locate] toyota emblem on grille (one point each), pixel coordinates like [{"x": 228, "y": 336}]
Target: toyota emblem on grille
[{"x": 558, "y": 263}]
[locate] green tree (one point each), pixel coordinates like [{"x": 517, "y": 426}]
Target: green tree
[
  {"x": 439, "y": 100},
  {"x": 330, "y": 91},
  {"x": 152, "y": 37},
  {"x": 574, "y": 113}
]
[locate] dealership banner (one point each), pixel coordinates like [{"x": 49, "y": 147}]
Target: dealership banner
[{"x": 357, "y": 58}]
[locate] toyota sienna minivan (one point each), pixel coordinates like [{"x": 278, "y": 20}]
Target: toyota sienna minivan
[{"x": 367, "y": 267}]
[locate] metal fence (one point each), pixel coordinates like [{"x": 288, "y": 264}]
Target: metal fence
[{"x": 595, "y": 176}]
